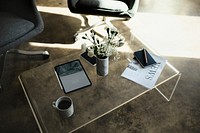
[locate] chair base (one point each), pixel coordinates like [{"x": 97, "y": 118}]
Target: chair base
[
  {"x": 41, "y": 54},
  {"x": 2, "y": 57},
  {"x": 104, "y": 21}
]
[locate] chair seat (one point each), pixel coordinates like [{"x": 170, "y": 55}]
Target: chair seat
[
  {"x": 12, "y": 28},
  {"x": 102, "y": 4}
]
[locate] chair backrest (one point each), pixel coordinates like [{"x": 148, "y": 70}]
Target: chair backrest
[
  {"x": 19, "y": 22},
  {"x": 96, "y": 7}
]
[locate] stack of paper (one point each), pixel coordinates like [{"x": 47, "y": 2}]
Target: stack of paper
[{"x": 147, "y": 76}]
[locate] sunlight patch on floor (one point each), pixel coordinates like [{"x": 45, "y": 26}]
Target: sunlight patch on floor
[
  {"x": 61, "y": 46},
  {"x": 170, "y": 35}
]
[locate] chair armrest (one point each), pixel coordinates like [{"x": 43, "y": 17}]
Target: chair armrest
[
  {"x": 129, "y": 3},
  {"x": 133, "y": 7},
  {"x": 72, "y": 5}
]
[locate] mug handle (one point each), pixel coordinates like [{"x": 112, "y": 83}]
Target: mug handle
[{"x": 54, "y": 104}]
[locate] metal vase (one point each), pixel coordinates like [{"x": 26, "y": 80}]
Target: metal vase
[{"x": 102, "y": 66}]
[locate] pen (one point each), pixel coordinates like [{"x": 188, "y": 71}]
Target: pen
[{"x": 145, "y": 56}]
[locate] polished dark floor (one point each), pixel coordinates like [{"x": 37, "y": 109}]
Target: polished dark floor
[{"x": 147, "y": 114}]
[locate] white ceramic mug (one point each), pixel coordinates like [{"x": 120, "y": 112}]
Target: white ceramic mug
[{"x": 64, "y": 105}]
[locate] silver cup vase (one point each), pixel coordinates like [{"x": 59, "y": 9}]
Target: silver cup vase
[{"x": 102, "y": 66}]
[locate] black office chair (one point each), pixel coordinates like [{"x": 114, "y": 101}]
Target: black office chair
[
  {"x": 19, "y": 22},
  {"x": 112, "y": 8}
]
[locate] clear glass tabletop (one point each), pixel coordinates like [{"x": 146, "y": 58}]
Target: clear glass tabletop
[{"x": 106, "y": 94}]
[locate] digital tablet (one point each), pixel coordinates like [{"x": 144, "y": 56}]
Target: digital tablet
[{"x": 72, "y": 76}]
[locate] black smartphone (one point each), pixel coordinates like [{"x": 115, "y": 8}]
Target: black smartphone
[{"x": 91, "y": 60}]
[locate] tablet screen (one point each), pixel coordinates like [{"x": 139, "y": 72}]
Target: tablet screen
[{"x": 72, "y": 76}]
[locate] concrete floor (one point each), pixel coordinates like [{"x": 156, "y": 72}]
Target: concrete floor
[{"x": 147, "y": 114}]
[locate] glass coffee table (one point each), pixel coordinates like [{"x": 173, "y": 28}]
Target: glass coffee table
[{"x": 106, "y": 94}]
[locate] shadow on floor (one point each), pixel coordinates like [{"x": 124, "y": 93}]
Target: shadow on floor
[{"x": 58, "y": 29}]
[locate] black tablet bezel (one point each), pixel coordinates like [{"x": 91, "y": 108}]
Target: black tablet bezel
[{"x": 60, "y": 81}]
